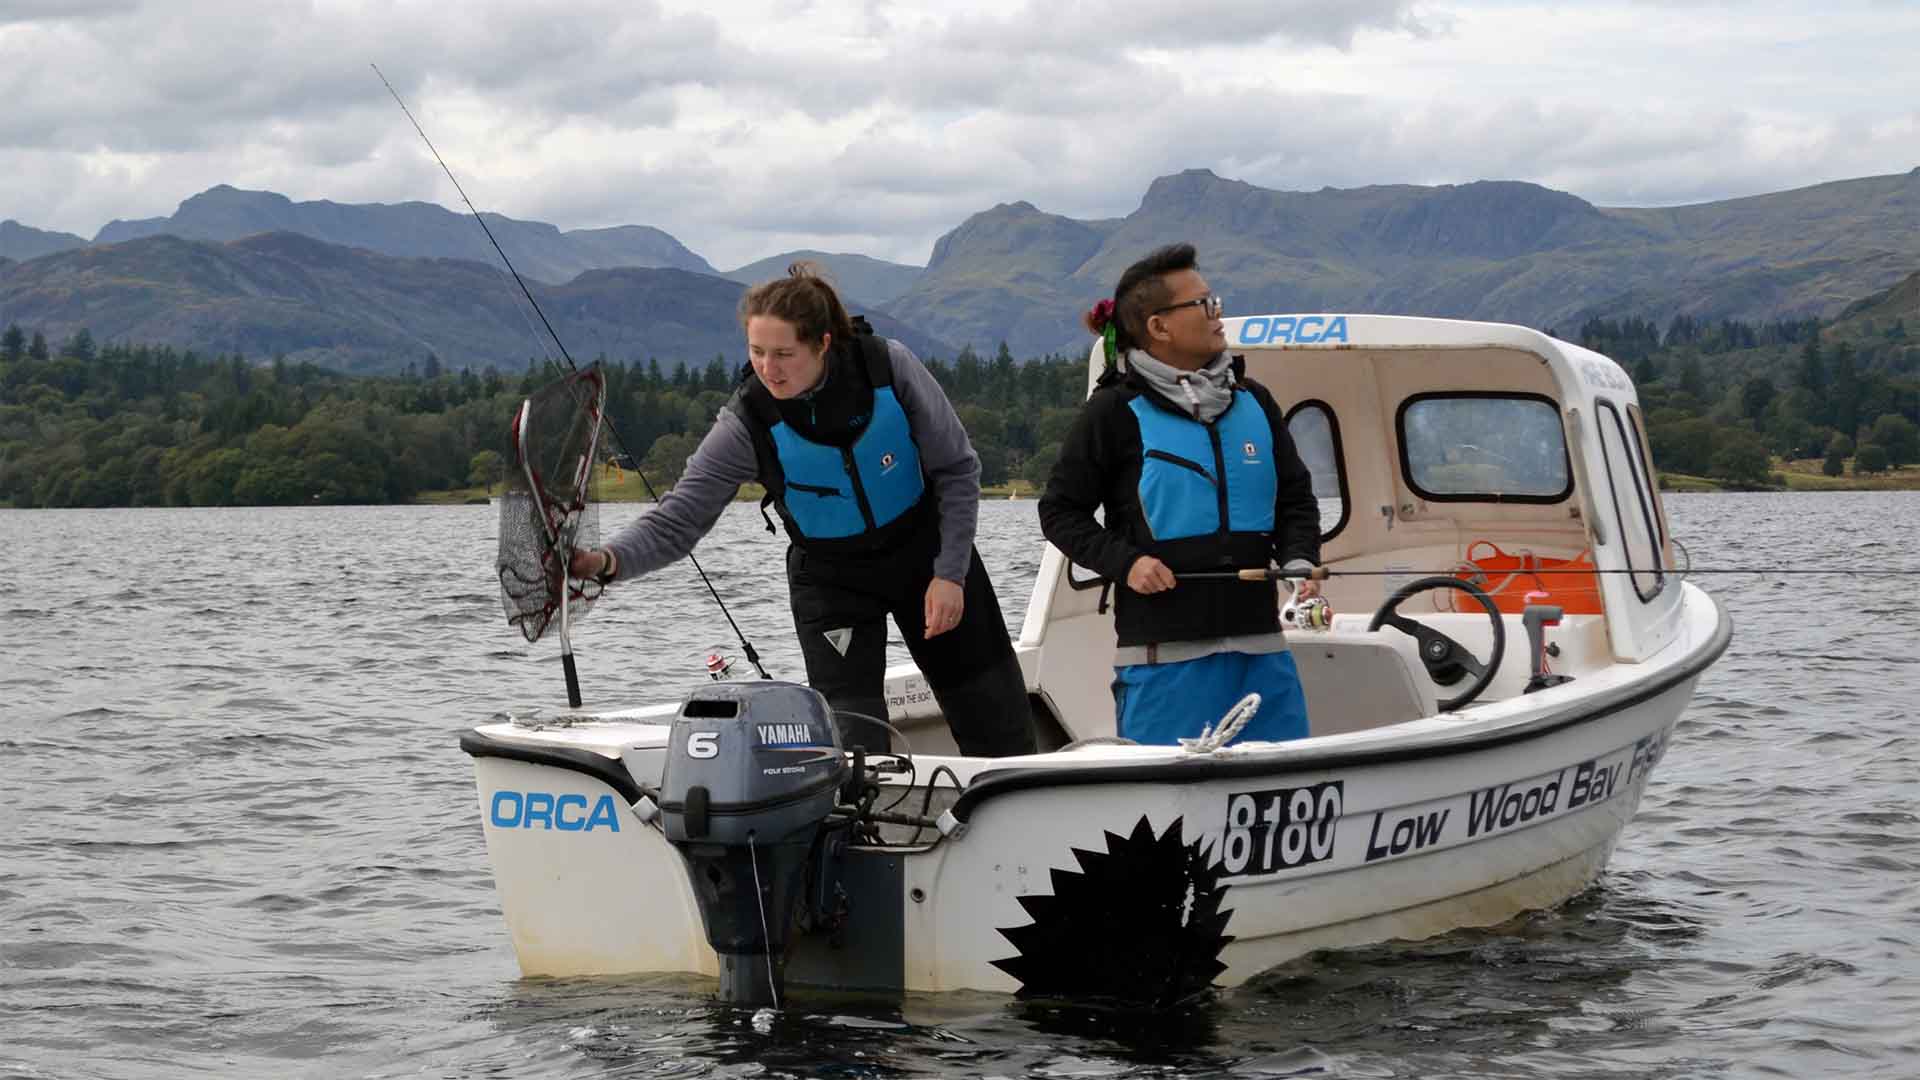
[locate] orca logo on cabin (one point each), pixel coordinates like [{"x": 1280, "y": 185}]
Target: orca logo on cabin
[{"x": 1293, "y": 330}]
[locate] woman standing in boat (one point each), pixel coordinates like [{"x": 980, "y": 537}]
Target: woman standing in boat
[
  {"x": 1194, "y": 468},
  {"x": 870, "y": 470}
]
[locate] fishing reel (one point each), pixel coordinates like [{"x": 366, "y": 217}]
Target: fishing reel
[{"x": 1313, "y": 613}]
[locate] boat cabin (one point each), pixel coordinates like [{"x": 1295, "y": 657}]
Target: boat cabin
[{"x": 1490, "y": 453}]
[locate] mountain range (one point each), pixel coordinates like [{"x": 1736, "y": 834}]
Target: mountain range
[
  {"x": 1502, "y": 251},
  {"x": 282, "y": 293},
  {"x": 860, "y": 279},
  {"x": 413, "y": 229},
  {"x": 374, "y": 287}
]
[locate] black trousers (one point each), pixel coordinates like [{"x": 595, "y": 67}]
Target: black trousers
[{"x": 840, "y": 605}]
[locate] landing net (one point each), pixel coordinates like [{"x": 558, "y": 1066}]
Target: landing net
[{"x": 548, "y": 507}]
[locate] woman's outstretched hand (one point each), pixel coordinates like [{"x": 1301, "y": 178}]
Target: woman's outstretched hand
[{"x": 590, "y": 564}]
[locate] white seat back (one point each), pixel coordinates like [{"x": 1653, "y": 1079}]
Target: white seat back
[{"x": 1355, "y": 680}]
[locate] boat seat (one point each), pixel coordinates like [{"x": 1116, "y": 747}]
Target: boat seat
[{"x": 1355, "y": 680}]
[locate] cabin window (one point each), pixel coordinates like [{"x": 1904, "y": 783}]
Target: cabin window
[
  {"x": 1632, "y": 502},
  {"x": 1474, "y": 447},
  {"x": 1316, "y": 435},
  {"x": 1639, "y": 426}
]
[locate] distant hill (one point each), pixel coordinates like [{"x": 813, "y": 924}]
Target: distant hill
[
  {"x": 1011, "y": 273},
  {"x": 19, "y": 241},
  {"x": 413, "y": 229},
  {"x": 859, "y": 278},
  {"x": 1500, "y": 250},
  {"x": 1901, "y": 303},
  {"x": 1890, "y": 317},
  {"x": 356, "y": 310}
]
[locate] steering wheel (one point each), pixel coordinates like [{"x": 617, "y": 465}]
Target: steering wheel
[{"x": 1447, "y": 660}]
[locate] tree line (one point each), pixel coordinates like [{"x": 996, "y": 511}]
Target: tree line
[
  {"x": 84, "y": 424},
  {"x": 120, "y": 424},
  {"x": 1723, "y": 399}
]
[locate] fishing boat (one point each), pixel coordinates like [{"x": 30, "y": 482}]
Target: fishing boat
[{"x": 1506, "y": 644}]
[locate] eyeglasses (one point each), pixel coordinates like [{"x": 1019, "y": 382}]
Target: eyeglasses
[{"x": 1211, "y": 304}]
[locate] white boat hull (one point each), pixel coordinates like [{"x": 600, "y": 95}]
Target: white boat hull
[{"x": 1402, "y": 832}]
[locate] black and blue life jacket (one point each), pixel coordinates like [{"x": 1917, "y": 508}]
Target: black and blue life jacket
[
  {"x": 1204, "y": 500},
  {"x": 1206, "y": 482},
  {"x": 839, "y": 464}
]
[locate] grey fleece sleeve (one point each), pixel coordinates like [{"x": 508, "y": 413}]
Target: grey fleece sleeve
[
  {"x": 714, "y": 473},
  {"x": 947, "y": 457}
]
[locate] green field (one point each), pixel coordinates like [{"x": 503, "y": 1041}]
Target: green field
[{"x": 1805, "y": 474}]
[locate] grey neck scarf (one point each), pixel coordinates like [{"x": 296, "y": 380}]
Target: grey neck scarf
[{"x": 1204, "y": 394}]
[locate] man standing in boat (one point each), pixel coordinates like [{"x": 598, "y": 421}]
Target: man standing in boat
[
  {"x": 1191, "y": 463},
  {"x": 864, "y": 458}
]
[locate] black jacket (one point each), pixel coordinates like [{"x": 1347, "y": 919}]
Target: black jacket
[{"x": 1100, "y": 468}]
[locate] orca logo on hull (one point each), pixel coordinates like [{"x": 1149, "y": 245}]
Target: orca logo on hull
[{"x": 545, "y": 810}]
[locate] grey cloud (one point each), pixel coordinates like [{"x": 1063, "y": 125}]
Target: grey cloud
[
  {"x": 41, "y": 189},
  {"x": 162, "y": 83},
  {"x": 904, "y": 162},
  {"x": 1091, "y": 28},
  {"x": 734, "y": 216},
  {"x": 26, "y": 11},
  {"x": 344, "y": 139},
  {"x": 1066, "y": 56},
  {"x": 1026, "y": 84},
  {"x": 678, "y": 189}
]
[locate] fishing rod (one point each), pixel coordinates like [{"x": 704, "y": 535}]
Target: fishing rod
[
  {"x": 746, "y": 647},
  {"x": 1321, "y": 573}
]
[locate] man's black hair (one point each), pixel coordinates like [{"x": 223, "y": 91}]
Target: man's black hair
[{"x": 1143, "y": 290}]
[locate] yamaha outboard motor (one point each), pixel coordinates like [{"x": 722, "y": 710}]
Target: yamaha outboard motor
[{"x": 752, "y": 770}]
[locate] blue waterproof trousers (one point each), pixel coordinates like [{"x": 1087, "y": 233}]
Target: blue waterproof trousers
[{"x": 1163, "y": 703}]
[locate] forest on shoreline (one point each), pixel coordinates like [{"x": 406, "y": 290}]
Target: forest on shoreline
[{"x": 1798, "y": 404}]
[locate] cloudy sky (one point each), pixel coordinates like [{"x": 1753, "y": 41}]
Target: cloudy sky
[{"x": 749, "y": 127}]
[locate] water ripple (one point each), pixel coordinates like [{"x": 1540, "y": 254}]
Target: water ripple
[{"x": 242, "y": 840}]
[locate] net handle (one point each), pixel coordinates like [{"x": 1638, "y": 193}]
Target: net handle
[
  {"x": 582, "y": 475},
  {"x": 547, "y": 528}
]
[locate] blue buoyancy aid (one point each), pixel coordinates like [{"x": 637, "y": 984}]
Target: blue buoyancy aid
[
  {"x": 1206, "y": 480},
  {"x": 854, "y": 482}
]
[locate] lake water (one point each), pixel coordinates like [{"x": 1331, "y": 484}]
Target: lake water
[{"x": 239, "y": 838}]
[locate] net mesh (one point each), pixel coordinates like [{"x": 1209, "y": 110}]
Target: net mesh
[{"x": 545, "y": 515}]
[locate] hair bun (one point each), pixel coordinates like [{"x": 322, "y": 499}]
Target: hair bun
[{"x": 1099, "y": 317}]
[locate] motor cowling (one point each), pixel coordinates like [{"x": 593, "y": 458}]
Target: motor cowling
[{"x": 752, "y": 771}]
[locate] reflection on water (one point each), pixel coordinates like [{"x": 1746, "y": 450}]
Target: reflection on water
[{"x": 241, "y": 839}]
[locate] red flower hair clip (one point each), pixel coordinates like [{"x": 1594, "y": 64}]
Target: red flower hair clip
[
  {"x": 1100, "y": 321},
  {"x": 1100, "y": 317}
]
